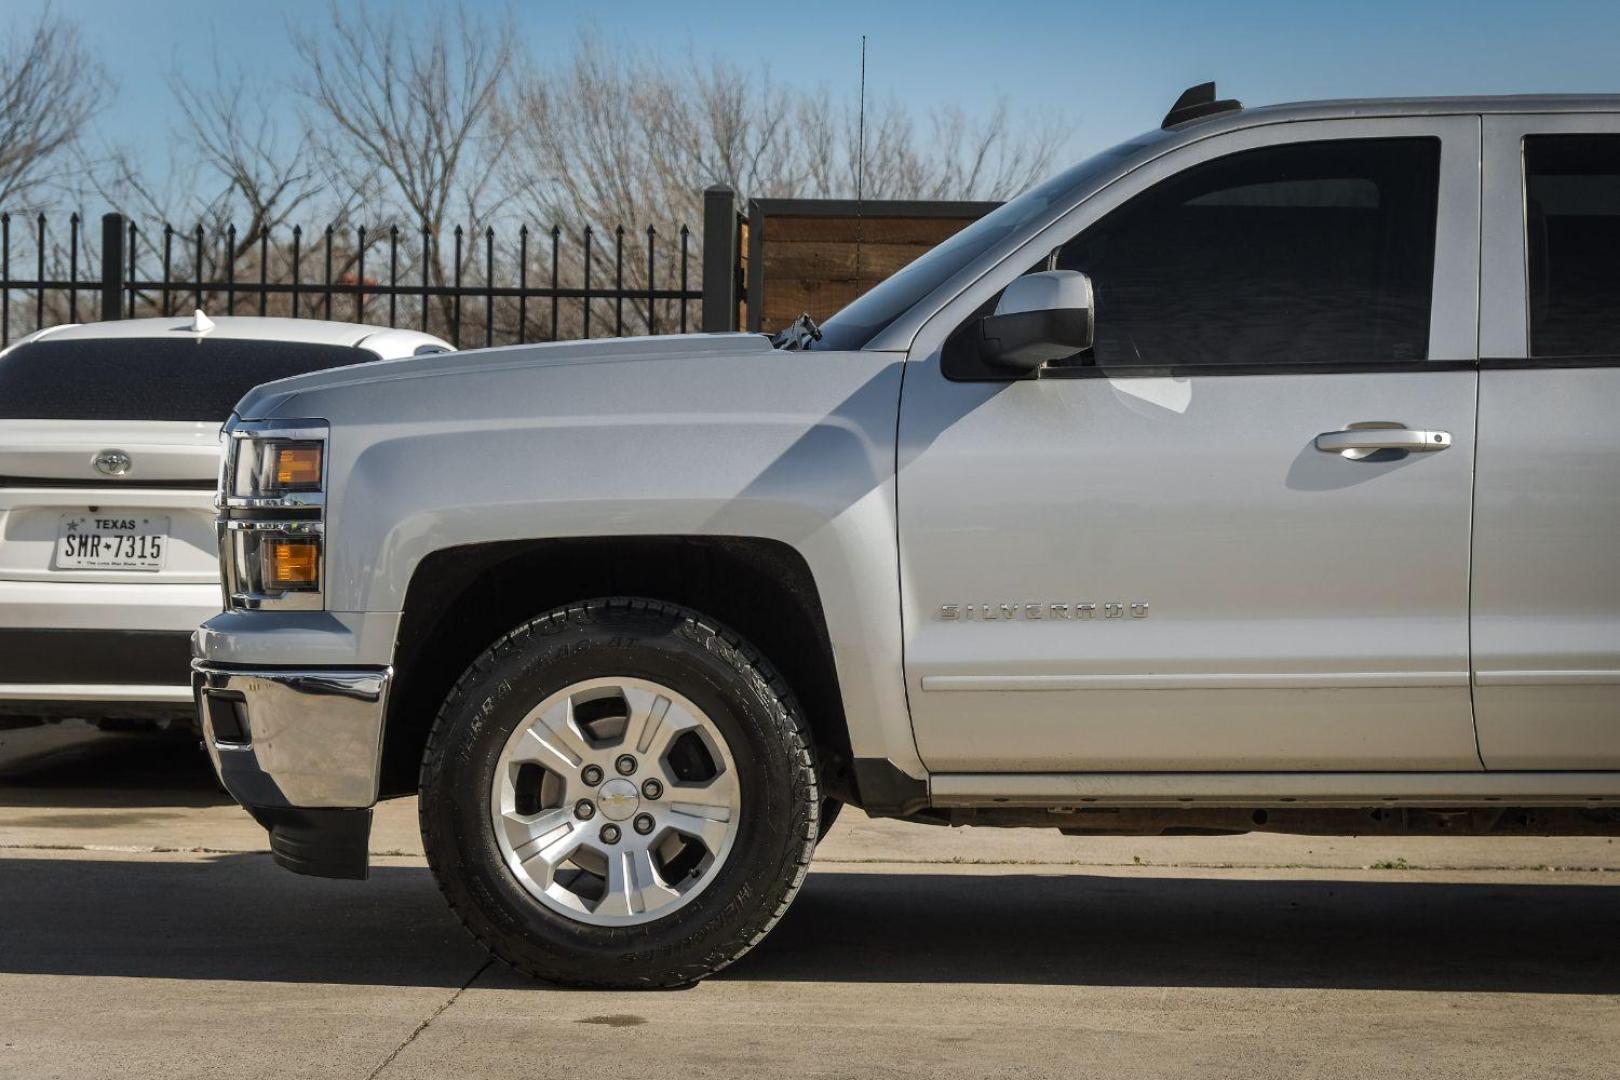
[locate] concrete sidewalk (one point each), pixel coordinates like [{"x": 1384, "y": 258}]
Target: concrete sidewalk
[{"x": 145, "y": 934}]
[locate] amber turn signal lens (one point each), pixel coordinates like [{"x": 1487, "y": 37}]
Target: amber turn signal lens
[
  {"x": 297, "y": 468},
  {"x": 292, "y": 564}
]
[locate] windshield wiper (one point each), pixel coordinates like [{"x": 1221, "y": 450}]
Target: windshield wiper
[{"x": 798, "y": 335}]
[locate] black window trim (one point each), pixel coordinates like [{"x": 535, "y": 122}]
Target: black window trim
[
  {"x": 1551, "y": 363},
  {"x": 1403, "y": 367},
  {"x": 1184, "y": 371}
]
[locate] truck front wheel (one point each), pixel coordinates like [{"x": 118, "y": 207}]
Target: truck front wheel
[{"x": 619, "y": 793}]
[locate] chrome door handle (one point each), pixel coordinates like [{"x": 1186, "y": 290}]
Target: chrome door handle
[{"x": 1360, "y": 442}]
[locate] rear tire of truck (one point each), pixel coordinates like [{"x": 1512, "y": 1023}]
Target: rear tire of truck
[{"x": 620, "y": 793}]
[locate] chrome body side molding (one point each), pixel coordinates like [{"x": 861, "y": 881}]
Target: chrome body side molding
[{"x": 1274, "y": 789}]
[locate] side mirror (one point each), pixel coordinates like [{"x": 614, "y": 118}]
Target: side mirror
[{"x": 1041, "y": 317}]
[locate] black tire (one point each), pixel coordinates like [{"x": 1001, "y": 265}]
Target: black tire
[{"x": 714, "y": 668}]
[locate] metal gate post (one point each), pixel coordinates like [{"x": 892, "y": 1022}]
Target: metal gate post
[
  {"x": 112, "y": 266},
  {"x": 721, "y": 259}
]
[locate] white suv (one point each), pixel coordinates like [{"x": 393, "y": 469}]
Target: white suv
[{"x": 109, "y": 457}]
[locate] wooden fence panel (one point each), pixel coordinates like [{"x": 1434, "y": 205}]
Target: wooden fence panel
[{"x": 816, "y": 255}]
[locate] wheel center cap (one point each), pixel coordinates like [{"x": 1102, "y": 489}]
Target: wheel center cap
[{"x": 618, "y": 799}]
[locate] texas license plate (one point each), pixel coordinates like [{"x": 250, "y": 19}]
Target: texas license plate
[{"x": 111, "y": 542}]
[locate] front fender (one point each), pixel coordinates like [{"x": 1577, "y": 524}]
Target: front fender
[{"x": 797, "y": 448}]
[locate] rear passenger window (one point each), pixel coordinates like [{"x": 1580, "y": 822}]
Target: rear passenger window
[
  {"x": 1572, "y": 228},
  {"x": 1309, "y": 253}
]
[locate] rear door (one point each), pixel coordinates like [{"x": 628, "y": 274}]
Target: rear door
[{"x": 1546, "y": 562}]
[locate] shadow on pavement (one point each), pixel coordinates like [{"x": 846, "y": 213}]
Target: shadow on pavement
[
  {"x": 238, "y": 917},
  {"x": 74, "y": 766},
  {"x": 1095, "y": 929},
  {"x": 231, "y": 917}
]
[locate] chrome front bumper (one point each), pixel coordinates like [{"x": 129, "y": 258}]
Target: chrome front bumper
[{"x": 283, "y": 737}]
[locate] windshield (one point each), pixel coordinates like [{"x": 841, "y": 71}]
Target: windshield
[{"x": 860, "y": 321}]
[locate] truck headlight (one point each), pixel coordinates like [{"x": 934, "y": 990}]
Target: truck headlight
[
  {"x": 272, "y": 504},
  {"x": 275, "y": 471}
]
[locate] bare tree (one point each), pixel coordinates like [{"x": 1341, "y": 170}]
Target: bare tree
[
  {"x": 267, "y": 174},
  {"x": 959, "y": 158},
  {"x": 619, "y": 139},
  {"x": 50, "y": 88},
  {"x": 616, "y": 139},
  {"x": 230, "y": 172},
  {"x": 614, "y": 136},
  {"x": 227, "y": 163},
  {"x": 401, "y": 112},
  {"x": 435, "y": 119}
]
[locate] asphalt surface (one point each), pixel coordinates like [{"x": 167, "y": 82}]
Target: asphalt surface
[{"x": 144, "y": 933}]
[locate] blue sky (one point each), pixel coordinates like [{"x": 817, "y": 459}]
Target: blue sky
[{"x": 1109, "y": 69}]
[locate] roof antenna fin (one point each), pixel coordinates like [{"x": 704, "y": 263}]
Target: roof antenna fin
[
  {"x": 200, "y": 323},
  {"x": 1198, "y": 101}
]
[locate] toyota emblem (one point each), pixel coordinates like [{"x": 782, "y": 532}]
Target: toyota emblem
[{"x": 112, "y": 463}]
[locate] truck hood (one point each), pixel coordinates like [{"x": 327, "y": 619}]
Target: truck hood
[{"x": 276, "y": 398}]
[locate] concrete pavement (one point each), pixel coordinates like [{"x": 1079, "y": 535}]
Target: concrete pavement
[{"x": 145, "y": 933}]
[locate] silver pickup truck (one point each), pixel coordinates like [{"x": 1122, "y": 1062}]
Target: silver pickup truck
[{"x": 1261, "y": 472}]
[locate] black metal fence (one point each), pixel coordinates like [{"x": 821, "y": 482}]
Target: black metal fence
[{"x": 476, "y": 289}]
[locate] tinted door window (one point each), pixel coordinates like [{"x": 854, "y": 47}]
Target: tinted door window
[
  {"x": 1310, "y": 253},
  {"x": 1572, "y": 225}
]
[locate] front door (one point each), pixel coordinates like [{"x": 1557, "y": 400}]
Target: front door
[
  {"x": 1146, "y": 559},
  {"x": 1547, "y": 525}
]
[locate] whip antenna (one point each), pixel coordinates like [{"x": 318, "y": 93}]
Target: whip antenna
[{"x": 860, "y": 163}]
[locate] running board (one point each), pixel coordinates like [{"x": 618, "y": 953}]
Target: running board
[{"x": 1274, "y": 789}]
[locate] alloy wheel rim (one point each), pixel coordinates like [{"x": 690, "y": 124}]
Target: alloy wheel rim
[{"x": 615, "y": 801}]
